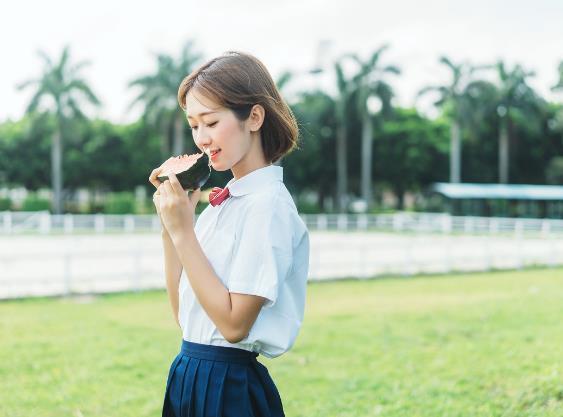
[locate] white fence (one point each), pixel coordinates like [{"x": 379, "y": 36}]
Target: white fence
[
  {"x": 46, "y": 223},
  {"x": 37, "y": 265},
  {"x": 43, "y": 255}
]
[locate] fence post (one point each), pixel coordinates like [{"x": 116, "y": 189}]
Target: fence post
[
  {"x": 45, "y": 223},
  {"x": 447, "y": 224},
  {"x": 7, "y": 220},
  {"x": 468, "y": 224},
  {"x": 518, "y": 227},
  {"x": 68, "y": 223},
  {"x": 322, "y": 222},
  {"x": 493, "y": 226},
  {"x": 129, "y": 224},
  {"x": 397, "y": 223},
  {"x": 362, "y": 222},
  {"x": 342, "y": 222},
  {"x": 99, "y": 223},
  {"x": 545, "y": 229}
]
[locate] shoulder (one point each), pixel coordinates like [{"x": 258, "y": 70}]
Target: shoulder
[
  {"x": 272, "y": 211},
  {"x": 273, "y": 201}
]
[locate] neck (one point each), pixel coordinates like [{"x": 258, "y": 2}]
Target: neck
[{"x": 253, "y": 160}]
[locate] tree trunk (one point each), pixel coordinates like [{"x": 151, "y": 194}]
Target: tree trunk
[
  {"x": 320, "y": 198},
  {"x": 341, "y": 165},
  {"x": 503, "y": 150},
  {"x": 56, "y": 169},
  {"x": 367, "y": 142},
  {"x": 165, "y": 145},
  {"x": 341, "y": 159},
  {"x": 455, "y": 153},
  {"x": 178, "y": 147},
  {"x": 400, "y": 194}
]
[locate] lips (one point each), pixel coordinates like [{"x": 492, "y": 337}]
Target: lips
[{"x": 214, "y": 153}]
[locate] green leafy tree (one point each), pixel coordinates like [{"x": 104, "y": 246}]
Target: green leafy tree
[
  {"x": 411, "y": 152},
  {"x": 515, "y": 99},
  {"x": 559, "y": 85},
  {"x": 313, "y": 168},
  {"x": 62, "y": 91},
  {"x": 554, "y": 171},
  {"x": 558, "y": 120},
  {"x": 371, "y": 87},
  {"x": 345, "y": 90},
  {"x": 158, "y": 94},
  {"x": 25, "y": 149},
  {"x": 455, "y": 100}
]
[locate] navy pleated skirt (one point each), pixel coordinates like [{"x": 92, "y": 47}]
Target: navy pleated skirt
[{"x": 219, "y": 381}]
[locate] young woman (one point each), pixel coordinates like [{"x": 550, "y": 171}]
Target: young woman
[{"x": 237, "y": 279}]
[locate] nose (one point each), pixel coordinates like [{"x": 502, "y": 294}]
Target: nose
[{"x": 201, "y": 138}]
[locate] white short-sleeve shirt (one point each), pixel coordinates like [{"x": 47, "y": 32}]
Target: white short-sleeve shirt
[{"x": 257, "y": 244}]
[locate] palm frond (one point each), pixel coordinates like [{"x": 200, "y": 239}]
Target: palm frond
[
  {"x": 283, "y": 79},
  {"x": 372, "y": 62},
  {"x": 23, "y": 85},
  {"x": 80, "y": 85}
]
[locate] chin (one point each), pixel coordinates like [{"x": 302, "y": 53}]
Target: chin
[{"x": 220, "y": 167}]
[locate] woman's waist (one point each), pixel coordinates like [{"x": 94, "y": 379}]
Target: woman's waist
[{"x": 217, "y": 351}]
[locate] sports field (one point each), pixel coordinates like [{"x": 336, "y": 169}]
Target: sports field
[{"x": 488, "y": 344}]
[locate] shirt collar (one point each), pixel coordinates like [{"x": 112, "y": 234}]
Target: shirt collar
[{"x": 255, "y": 180}]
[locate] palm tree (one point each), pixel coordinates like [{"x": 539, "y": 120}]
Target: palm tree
[
  {"x": 513, "y": 95},
  {"x": 159, "y": 96},
  {"x": 455, "y": 99},
  {"x": 559, "y": 85},
  {"x": 370, "y": 83},
  {"x": 345, "y": 92},
  {"x": 62, "y": 90}
]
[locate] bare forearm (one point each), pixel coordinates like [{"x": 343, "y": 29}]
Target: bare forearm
[
  {"x": 208, "y": 288},
  {"x": 172, "y": 271}
]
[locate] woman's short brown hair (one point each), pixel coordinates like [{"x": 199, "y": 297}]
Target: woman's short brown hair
[{"x": 238, "y": 81}]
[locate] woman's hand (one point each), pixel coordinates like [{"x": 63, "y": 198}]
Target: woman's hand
[
  {"x": 156, "y": 201},
  {"x": 175, "y": 207},
  {"x": 153, "y": 177},
  {"x": 156, "y": 196}
]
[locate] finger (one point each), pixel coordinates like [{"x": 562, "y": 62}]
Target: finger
[
  {"x": 153, "y": 177},
  {"x": 176, "y": 186},
  {"x": 167, "y": 188},
  {"x": 195, "y": 196},
  {"x": 156, "y": 201}
]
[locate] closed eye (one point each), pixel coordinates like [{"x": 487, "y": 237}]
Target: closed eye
[{"x": 209, "y": 125}]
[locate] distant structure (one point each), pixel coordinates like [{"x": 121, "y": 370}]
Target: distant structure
[{"x": 500, "y": 200}]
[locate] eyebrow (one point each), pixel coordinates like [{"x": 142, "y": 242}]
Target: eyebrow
[{"x": 202, "y": 114}]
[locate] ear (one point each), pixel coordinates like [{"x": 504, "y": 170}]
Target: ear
[{"x": 256, "y": 118}]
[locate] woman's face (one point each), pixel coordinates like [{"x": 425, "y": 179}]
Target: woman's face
[{"x": 230, "y": 141}]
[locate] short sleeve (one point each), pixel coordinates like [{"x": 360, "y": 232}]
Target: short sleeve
[{"x": 263, "y": 254}]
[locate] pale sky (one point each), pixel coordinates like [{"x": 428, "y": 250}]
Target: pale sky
[{"x": 119, "y": 37}]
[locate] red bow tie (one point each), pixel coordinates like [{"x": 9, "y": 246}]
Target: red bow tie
[{"x": 218, "y": 195}]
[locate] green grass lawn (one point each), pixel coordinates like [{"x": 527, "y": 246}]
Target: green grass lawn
[{"x": 461, "y": 345}]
